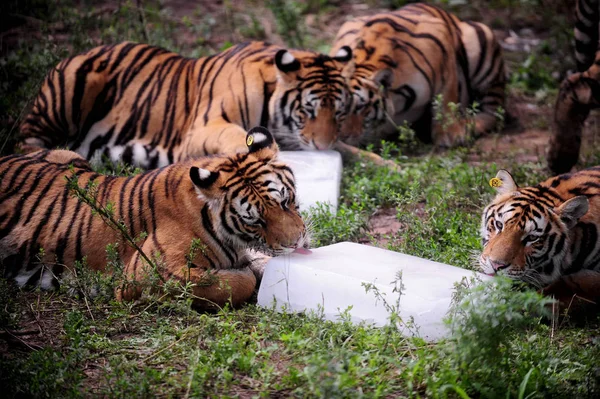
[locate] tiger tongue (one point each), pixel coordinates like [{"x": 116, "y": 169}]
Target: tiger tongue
[{"x": 302, "y": 251}]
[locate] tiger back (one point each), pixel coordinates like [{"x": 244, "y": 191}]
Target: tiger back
[
  {"x": 546, "y": 235},
  {"x": 229, "y": 203},
  {"x": 145, "y": 105},
  {"x": 404, "y": 59}
]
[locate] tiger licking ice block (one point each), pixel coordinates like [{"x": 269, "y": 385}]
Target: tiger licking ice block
[
  {"x": 331, "y": 278},
  {"x": 227, "y": 204}
]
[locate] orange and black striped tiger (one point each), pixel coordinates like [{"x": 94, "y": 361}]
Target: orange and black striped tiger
[
  {"x": 546, "y": 235},
  {"x": 406, "y": 58},
  {"x": 231, "y": 203},
  {"x": 580, "y": 92},
  {"x": 147, "y": 106}
]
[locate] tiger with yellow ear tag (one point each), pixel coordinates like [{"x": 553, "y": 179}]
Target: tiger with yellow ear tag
[
  {"x": 229, "y": 203},
  {"x": 546, "y": 235}
]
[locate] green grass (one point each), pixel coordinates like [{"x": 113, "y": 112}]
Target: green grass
[
  {"x": 164, "y": 348},
  {"x": 85, "y": 346}
]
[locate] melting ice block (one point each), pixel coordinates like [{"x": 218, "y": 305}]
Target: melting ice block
[
  {"x": 330, "y": 278},
  {"x": 318, "y": 176}
]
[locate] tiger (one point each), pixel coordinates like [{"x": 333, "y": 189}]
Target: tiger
[
  {"x": 232, "y": 203},
  {"x": 579, "y": 93},
  {"x": 149, "y": 107},
  {"x": 546, "y": 235},
  {"x": 405, "y": 59}
]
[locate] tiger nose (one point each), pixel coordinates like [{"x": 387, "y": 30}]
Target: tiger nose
[{"x": 498, "y": 265}]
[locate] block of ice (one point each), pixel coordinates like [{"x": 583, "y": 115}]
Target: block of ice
[
  {"x": 330, "y": 280},
  {"x": 318, "y": 176}
]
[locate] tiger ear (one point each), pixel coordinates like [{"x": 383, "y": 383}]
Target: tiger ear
[
  {"x": 504, "y": 182},
  {"x": 203, "y": 178},
  {"x": 572, "y": 210},
  {"x": 286, "y": 62},
  {"x": 259, "y": 138},
  {"x": 344, "y": 54}
]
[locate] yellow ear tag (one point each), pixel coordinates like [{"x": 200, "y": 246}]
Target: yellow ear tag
[
  {"x": 249, "y": 140},
  {"x": 495, "y": 182}
]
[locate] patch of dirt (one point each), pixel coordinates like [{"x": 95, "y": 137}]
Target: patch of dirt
[
  {"x": 40, "y": 324},
  {"x": 384, "y": 227},
  {"x": 526, "y": 146},
  {"x": 527, "y": 134},
  {"x": 384, "y": 222}
]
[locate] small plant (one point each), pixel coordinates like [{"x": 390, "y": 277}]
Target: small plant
[
  {"x": 407, "y": 138},
  {"x": 452, "y": 116},
  {"x": 107, "y": 167},
  {"x": 289, "y": 21},
  {"x": 88, "y": 195},
  {"x": 500, "y": 115},
  {"x": 395, "y": 321},
  {"x": 254, "y": 30},
  {"x": 533, "y": 77},
  {"x": 329, "y": 228}
]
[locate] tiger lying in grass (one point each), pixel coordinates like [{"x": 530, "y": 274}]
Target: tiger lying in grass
[
  {"x": 231, "y": 203},
  {"x": 405, "y": 58},
  {"x": 147, "y": 106},
  {"x": 546, "y": 235}
]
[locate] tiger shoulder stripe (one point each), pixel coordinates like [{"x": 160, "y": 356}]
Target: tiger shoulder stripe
[
  {"x": 404, "y": 59},
  {"x": 546, "y": 235},
  {"x": 579, "y": 93},
  {"x": 151, "y": 107},
  {"x": 230, "y": 203}
]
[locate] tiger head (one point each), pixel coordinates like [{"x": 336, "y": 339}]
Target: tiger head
[
  {"x": 525, "y": 231},
  {"x": 311, "y": 99},
  {"x": 371, "y": 83},
  {"x": 252, "y": 197}
]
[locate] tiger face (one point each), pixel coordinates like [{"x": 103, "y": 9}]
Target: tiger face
[
  {"x": 525, "y": 233},
  {"x": 311, "y": 99},
  {"x": 254, "y": 196},
  {"x": 371, "y": 104}
]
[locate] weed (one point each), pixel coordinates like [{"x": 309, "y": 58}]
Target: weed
[
  {"x": 290, "y": 25},
  {"x": 330, "y": 228},
  {"x": 89, "y": 195},
  {"x": 44, "y": 373},
  {"x": 532, "y": 77},
  {"x": 8, "y": 307}
]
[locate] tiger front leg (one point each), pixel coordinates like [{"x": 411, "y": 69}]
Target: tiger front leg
[
  {"x": 173, "y": 276},
  {"x": 214, "y": 288},
  {"x": 449, "y": 127},
  {"x": 139, "y": 273},
  {"x": 577, "y": 291},
  {"x": 214, "y": 138}
]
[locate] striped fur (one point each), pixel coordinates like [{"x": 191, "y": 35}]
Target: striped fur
[
  {"x": 147, "y": 106},
  {"x": 546, "y": 235},
  {"x": 579, "y": 93},
  {"x": 231, "y": 203},
  {"x": 405, "y": 58}
]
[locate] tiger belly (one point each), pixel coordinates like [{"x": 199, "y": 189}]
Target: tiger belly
[{"x": 100, "y": 145}]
